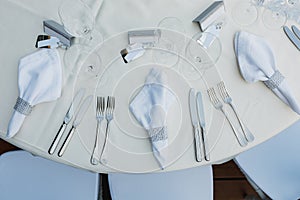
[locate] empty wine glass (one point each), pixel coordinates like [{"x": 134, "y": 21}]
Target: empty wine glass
[
  {"x": 203, "y": 51},
  {"x": 204, "y": 48},
  {"x": 274, "y": 19},
  {"x": 79, "y": 56},
  {"x": 245, "y": 13},
  {"x": 77, "y": 18},
  {"x": 171, "y": 42}
]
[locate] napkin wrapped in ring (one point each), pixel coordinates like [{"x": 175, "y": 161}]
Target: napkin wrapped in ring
[
  {"x": 150, "y": 108},
  {"x": 39, "y": 80},
  {"x": 257, "y": 63}
]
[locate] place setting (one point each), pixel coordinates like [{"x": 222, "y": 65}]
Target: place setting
[
  {"x": 125, "y": 80},
  {"x": 143, "y": 99}
]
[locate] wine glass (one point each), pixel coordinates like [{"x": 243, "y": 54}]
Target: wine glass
[
  {"x": 80, "y": 57},
  {"x": 274, "y": 18},
  {"x": 171, "y": 42},
  {"x": 204, "y": 49},
  {"x": 78, "y": 20},
  {"x": 245, "y": 13}
]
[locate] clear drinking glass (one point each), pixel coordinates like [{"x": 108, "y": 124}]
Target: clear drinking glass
[
  {"x": 245, "y": 13},
  {"x": 171, "y": 42},
  {"x": 78, "y": 20}
]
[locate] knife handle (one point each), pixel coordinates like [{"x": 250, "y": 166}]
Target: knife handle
[
  {"x": 57, "y": 138},
  {"x": 66, "y": 142},
  {"x": 205, "y": 144},
  {"x": 198, "y": 144}
]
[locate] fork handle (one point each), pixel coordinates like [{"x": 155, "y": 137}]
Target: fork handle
[
  {"x": 94, "y": 159},
  {"x": 248, "y": 135},
  {"x": 242, "y": 141},
  {"x": 103, "y": 160}
]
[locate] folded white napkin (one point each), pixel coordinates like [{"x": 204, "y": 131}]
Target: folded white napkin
[
  {"x": 150, "y": 108},
  {"x": 257, "y": 63},
  {"x": 40, "y": 80}
]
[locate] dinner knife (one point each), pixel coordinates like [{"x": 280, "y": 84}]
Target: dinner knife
[
  {"x": 75, "y": 103},
  {"x": 293, "y": 38},
  {"x": 82, "y": 110},
  {"x": 296, "y": 31},
  {"x": 196, "y": 127},
  {"x": 202, "y": 125}
]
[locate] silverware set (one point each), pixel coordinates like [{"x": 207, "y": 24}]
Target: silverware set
[
  {"x": 101, "y": 113},
  {"x": 244, "y": 138},
  {"x": 293, "y": 35},
  {"x": 198, "y": 121},
  {"x": 68, "y": 117}
]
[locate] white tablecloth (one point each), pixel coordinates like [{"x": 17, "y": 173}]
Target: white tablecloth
[{"x": 261, "y": 110}]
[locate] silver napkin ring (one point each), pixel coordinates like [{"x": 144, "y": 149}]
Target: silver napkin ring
[
  {"x": 158, "y": 134},
  {"x": 275, "y": 80},
  {"x": 23, "y": 106}
]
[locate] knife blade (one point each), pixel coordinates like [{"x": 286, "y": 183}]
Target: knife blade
[
  {"x": 75, "y": 103},
  {"x": 195, "y": 123},
  {"x": 293, "y": 38},
  {"x": 201, "y": 117},
  {"x": 79, "y": 116},
  {"x": 296, "y": 31}
]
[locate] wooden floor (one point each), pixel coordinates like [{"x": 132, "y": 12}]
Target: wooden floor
[{"x": 229, "y": 182}]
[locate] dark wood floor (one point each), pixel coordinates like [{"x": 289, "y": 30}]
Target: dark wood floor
[{"x": 229, "y": 182}]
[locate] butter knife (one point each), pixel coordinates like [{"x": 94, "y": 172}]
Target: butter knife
[
  {"x": 296, "y": 31},
  {"x": 196, "y": 127},
  {"x": 202, "y": 125},
  {"x": 82, "y": 110},
  {"x": 293, "y": 38},
  {"x": 74, "y": 105}
]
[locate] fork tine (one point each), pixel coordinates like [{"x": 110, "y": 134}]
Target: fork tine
[
  {"x": 222, "y": 89},
  {"x": 98, "y": 104},
  {"x": 108, "y": 104},
  {"x": 113, "y": 105},
  {"x": 211, "y": 95},
  {"x": 103, "y": 104}
]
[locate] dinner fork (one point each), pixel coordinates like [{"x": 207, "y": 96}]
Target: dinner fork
[
  {"x": 110, "y": 107},
  {"x": 228, "y": 100},
  {"x": 219, "y": 106},
  {"x": 100, "y": 109}
]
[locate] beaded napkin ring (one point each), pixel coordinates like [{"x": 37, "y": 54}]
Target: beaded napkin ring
[{"x": 23, "y": 106}]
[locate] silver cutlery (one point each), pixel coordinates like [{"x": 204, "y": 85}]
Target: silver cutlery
[
  {"x": 228, "y": 100},
  {"x": 82, "y": 110},
  {"x": 291, "y": 35},
  {"x": 296, "y": 31},
  {"x": 74, "y": 105},
  {"x": 201, "y": 117},
  {"x": 100, "y": 109},
  {"x": 110, "y": 107},
  {"x": 219, "y": 106},
  {"x": 196, "y": 127}
]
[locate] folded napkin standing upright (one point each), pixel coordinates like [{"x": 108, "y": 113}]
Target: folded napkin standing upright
[
  {"x": 40, "y": 80},
  {"x": 257, "y": 63},
  {"x": 150, "y": 108}
]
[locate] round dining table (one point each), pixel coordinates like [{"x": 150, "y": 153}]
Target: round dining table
[{"x": 128, "y": 147}]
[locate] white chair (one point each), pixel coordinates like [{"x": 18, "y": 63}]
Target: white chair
[
  {"x": 190, "y": 184},
  {"x": 274, "y": 166},
  {"x": 24, "y": 176}
]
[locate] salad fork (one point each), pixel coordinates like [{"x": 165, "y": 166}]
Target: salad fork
[
  {"x": 100, "y": 109},
  {"x": 109, "y": 116},
  {"x": 228, "y": 100},
  {"x": 219, "y": 106}
]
